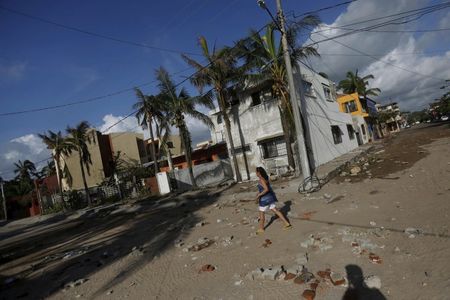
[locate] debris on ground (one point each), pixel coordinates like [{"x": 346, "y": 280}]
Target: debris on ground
[
  {"x": 75, "y": 283},
  {"x": 202, "y": 243},
  {"x": 413, "y": 232},
  {"x": 317, "y": 242},
  {"x": 375, "y": 258},
  {"x": 227, "y": 241},
  {"x": 309, "y": 294},
  {"x": 266, "y": 243},
  {"x": 207, "y": 268},
  {"x": 373, "y": 282}
]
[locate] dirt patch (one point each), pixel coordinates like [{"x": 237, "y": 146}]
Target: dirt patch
[{"x": 398, "y": 154}]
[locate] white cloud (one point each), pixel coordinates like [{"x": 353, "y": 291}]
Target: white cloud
[
  {"x": 12, "y": 72},
  {"x": 32, "y": 141},
  {"x": 411, "y": 90},
  {"x": 129, "y": 124},
  {"x": 25, "y": 147}
]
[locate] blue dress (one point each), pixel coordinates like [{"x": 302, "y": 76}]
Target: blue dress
[{"x": 268, "y": 198}]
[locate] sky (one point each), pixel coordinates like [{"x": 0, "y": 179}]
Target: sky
[{"x": 43, "y": 64}]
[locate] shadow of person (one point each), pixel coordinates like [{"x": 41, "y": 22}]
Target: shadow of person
[
  {"x": 284, "y": 210},
  {"x": 357, "y": 289}
]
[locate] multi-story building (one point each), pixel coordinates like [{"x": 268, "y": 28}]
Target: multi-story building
[
  {"x": 364, "y": 116},
  {"x": 394, "y": 121},
  {"x": 257, "y": 130},
  {"x": 102, "y": 149}
]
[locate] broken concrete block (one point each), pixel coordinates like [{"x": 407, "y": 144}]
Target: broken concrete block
[
  {"x": 295, "y": 269},
  {"x": 373, "y": 282},
  {"x": 337, "y": 278},
  {"x": 327, "y": 196},
  {"x": 255, "y": 274},
  {"x": 355, "y": 170},
  {"x": 272, "y": 273}
]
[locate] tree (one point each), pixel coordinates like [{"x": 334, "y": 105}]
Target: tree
[
  {"x": 353, "y": 83},
  {"x": 148, "y": 108},
  {"x": 265, "y": 64},
  {"x": 220, "y": 72},
  {"x": 79, "y": 138},
  {"x": 60, "y": 147},
  {"x": 180, "y": 105},
  {"x": 24, "y": 171}
]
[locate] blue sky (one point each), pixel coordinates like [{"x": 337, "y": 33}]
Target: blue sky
[{"x": 42, "y": 65}]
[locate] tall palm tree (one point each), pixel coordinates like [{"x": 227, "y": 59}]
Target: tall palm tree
[
  {"x": 148, "y": 109},
  {"x": 163, "y": 133},
  {"x": 220, "y": 72},
  {"x": 24, "y": 170},
  {"x": 60, "y": 147},
  {"x": 265, "y": 64},
  {"x": 79, "y": 138},
  {"x": 353, "y": 83},
  {"x": 180, "y": 105}
]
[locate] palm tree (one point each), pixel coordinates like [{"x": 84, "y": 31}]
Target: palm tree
[
  {"x": 179, "y": 105},
  {"x": 353, "y": 83},
  {"x": 24, "y": 170},
  {"x": 79, "y": 138},
  {"x": 148, "y": 108},
  {"x": 60, "y": 147},
  {"x": 265, "y": 64},
  {"x": 163, "y": 133},
  {"x": 221, "y": 73}
]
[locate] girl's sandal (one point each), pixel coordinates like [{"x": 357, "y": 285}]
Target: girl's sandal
[
  {"x": 260, "y": 231},
  {"x": 286, "y": 227}
]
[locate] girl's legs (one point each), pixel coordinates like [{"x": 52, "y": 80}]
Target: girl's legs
[
  {"x": 262, "y": 220},
  {"x": 280, "y": 215}
]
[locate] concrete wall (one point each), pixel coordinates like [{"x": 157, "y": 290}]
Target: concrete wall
[
  {"x": 249, "y": 126},
  {"x": 205, "y": 174},
  {"x": 320, "y": 114},
  {"x": 96, "y": 168},
  {"x": 358, "y": 123},
  {"x": 127, "y": 144}
]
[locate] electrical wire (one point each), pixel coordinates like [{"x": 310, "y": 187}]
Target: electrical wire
[
  {"x": 88, "y": 100},
  {"x": 94, "y": 34}
]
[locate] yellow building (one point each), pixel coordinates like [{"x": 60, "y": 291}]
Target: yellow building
[{"x": 352, "y": 104}]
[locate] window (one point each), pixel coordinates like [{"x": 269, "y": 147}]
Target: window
[
  {"x": 219, "y": 119},
  {"x": 363, "y": 129},
  {"x": 327, "y": 92},
  {"x": 308, "y": 88},
  {"x": 351, "y": 131},
  {"x": 337, "y": 134},
  {"x": 273, "y": 147},
  {"x": 239, "y": 150},
  {"x": 350, "y": 106},
  {"x": 256, "y": 98},
  {"x": 219, "y": 136}
]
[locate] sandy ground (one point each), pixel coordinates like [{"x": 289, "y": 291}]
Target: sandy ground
[{"x": 353, "y": 226}]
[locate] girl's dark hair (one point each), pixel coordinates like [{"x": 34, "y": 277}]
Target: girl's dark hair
[{"x": 263, "y": 173}]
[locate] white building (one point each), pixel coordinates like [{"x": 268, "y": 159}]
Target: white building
[{"x": 256, "y": 126}]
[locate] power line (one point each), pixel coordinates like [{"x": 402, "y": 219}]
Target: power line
[
  {"x": 388, "y": 31},
  {"x": 94, "y": 34},
  {"x": 385, "y": 62},
  {"x": 422, "y": 12},
  {"x": 381, "y": 55},
  {"x": 322, "y": 9},
  {"x": 88, "y": 100}
]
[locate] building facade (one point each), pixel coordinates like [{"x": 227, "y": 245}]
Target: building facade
[
  {"x": 257, "y": 130},
  {"x": 364, "y": 115},
  {"x": 102, "y": 149}
]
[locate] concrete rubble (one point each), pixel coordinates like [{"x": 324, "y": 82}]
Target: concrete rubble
[
  {"x": 373, "y": 282},
  {"x": 318, "y": 242}
]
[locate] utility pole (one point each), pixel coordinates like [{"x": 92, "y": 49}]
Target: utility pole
[
  {"x": 296, "y": 105},
  {"x": 4, "y": 199}
]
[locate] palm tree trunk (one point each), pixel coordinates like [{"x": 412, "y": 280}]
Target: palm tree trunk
[
  {"x": 169, "y": 159},
  {"x": 188, "y": 154},
  {"x": 287, "y": 138},
  {"x": 86, "y": 189},
  {"x": 231, "y": 145},
  {"x": 59, "y": 177},
  {"x": 152, "y": 139}
]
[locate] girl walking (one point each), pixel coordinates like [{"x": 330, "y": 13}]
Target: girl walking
[{"x": 266, "y": 199}]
